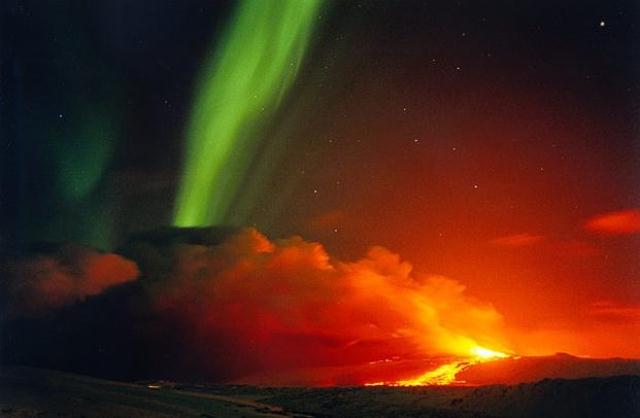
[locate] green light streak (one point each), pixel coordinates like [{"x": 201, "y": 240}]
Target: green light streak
[
  {"x": 243, "y": 83},
  {"x": 82, "y": 154}
]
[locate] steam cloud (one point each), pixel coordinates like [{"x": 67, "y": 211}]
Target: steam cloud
[
  {"x": 615, "y": 223},
  {"x": 244, "y": 306},
  {"x": 263, "y": 306},
  {"x": 43, "y": 282}
]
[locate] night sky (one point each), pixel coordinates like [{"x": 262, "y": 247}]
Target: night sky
[{"x": 493, "y": 142}]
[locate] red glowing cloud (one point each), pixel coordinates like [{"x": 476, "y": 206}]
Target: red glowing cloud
[
  {"x": 36, "y": 284},
  {"x": 615, "y": 223},
  {"x": 262, "y": 306}
]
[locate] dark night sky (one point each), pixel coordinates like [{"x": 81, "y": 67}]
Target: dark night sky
[{"x": 475, "y": 138}]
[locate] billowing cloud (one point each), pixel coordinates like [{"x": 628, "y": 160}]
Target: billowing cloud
[
  {"x": 40, "y": 282},
  {"x": 223, "y": 306},
  {"x": 615, "y": 223},
  {"x": 517, "y": 240},
  {"x": 253, "y": 305}
]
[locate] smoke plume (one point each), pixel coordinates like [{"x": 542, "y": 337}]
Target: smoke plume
[
  {"x": 253, "y": 305},
  {"x": 228, "y": 306},
  {"x": 42, "y": 282}
]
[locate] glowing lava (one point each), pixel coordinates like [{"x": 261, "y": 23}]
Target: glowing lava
[
  {"x": 446, "y": 373},
  {"x": 485, "y": 353}
]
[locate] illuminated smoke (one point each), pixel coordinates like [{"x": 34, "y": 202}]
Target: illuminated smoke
[
  {"x": 42, "y": 282},
  {"x": 251, "y": 305},
  {"x": 247, "y": 309},
  {"x": 615, "y": 223}
]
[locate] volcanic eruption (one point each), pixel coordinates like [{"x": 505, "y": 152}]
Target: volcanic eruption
[{"x": 351, "y": 193}]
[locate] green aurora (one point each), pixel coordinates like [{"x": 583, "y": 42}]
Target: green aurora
[{"x": 242, "y": 85}]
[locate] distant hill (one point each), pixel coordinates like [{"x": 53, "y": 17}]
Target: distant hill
[{"x": 533, "y": 369}]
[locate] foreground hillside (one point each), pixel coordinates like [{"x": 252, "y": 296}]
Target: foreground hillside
[
  {"x": 28, "y": 392},
  {"x": 550, "y": 398}
]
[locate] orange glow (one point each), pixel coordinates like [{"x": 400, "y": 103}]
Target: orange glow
[
  {"x": 288, "y": 312},
  {"x": 486, "y": 353},
  {"x": 518, "y": 240},
  {"x": 542, "y": 237},
  {"x": 446, "y": 374},
  {"x": 615, "y": 223},
  {"x": 51, "y": 281},
  {"x": 443, "y": 375},
  {"x": 287, "y": 305}
]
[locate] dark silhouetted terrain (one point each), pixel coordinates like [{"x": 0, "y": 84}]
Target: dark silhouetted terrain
[{"x": 27, "y": 392}]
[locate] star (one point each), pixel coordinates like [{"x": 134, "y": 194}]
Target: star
[{"x": 602, "y": 23}]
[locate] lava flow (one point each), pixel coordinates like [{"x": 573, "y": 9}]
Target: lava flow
[{"x": 446, "y": 373}]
